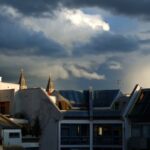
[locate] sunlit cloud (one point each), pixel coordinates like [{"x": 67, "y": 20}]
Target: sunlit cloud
[
  {"x": 78, "y": 18},
  {"x": 68, "y": 26}
]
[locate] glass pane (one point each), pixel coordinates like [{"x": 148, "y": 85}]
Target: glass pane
[
  {"x": 76, "y": 134},
  {"x": 107, "y": 134}
]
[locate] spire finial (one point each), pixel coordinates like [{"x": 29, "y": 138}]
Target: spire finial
[
  {"x": 50, "y": 85},
  {"x": 22, "y": 81}
]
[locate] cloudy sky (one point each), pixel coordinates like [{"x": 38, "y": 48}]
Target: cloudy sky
[{"x": 81, "y": 43}]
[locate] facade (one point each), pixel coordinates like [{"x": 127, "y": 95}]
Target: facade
[
  {"x": 138, "y": 121},
  {"x": 83, "y": 120},
  {"x": 96, "y": 125}
]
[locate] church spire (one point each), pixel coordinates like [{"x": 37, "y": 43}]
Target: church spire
[
  {"x": 50, "y": 86},
  {"x": 22, "y": 81}
]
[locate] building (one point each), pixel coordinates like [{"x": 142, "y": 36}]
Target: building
[
  {"x": 92, "y": 123},
  {"x": 72, "y": 119},
  {"x": 87, "y": 120},
  {"x": 138, "y": 120}
]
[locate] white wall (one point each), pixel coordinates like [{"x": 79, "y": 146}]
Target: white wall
[
  {"x": 4, "y": 86},
  {"x": 36, "y": 103}
]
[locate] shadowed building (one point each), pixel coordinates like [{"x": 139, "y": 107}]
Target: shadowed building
[{"x": 138, "y": 119}]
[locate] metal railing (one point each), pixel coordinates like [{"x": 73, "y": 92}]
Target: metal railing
[{"x": 79, "y": 140}]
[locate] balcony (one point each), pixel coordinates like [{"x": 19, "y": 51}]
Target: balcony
[
  {"x": 75, "y": 140},
  {"x": 107, "y": 140},
  {"x": 138, "y": 143}
]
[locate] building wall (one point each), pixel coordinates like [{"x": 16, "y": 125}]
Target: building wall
[
  {"x": 4, "y": 86},
  {"x": 49, "y": 138},
  {"x": 6, "y": 95},
  {"x": 35, "y": 103}
]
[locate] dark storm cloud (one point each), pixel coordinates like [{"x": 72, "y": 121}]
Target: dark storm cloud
[
  {"x": 108, "y": 42},
  {"x": 31, "y": 7},
  {"x": 127, "y": 7},
  {"x": 16, "y": 39},
  {"x": 145, "y": 41}
]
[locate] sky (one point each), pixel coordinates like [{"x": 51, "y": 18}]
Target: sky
[{"x": 81, "y": 43}]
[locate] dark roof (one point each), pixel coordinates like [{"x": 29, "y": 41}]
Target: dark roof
[
  {"x": 101, "y": 98},
  {"x": 104, "y": 98},
  {"x": 80, "y": 99},
  {"x": 141, "y": 109},
  {"x": 76, "y": 98},
  {"x": 5, "y": 122}
]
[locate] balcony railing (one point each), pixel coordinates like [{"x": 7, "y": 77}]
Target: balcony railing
[
  {"x": 75, "y": 140},
  {"x": 104, "y": 140},
  {"x": 138, "y": 142}
]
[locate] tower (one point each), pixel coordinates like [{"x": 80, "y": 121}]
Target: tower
[
  {"x": 22, "y": 81},
  {"x": 50, "y": 86}
]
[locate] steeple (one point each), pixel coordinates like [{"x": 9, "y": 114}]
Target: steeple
[
  {"x": 22, "y": 81},
  {"x": 50, "y": 86}
]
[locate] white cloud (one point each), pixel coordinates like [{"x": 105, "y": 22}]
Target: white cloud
[
  {"x": 65, "y": 26},
  {"x": 33, "y": 67},
  {"x": 9, "y": 11},
  {"x": 68, "y": 26},
  {"x": 59, "y": 69},
  {"x": 114, "y": 65},
  {"x": 81, "y": 73}
]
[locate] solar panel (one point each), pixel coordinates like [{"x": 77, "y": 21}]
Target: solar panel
[
  {"x": 104, "y": 98},
  {"x": 81, "y": 99},
  {"x": 76, "y": 98}
]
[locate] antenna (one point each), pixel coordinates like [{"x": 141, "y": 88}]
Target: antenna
[{"x": 118, "y": 83}]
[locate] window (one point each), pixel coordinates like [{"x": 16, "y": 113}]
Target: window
[
  {"x": 100, "y": 131},
  {"x": 76, "y": 134},
  {"x": 107, "y": 134},
  {"x": 4, "y": 107},
  {"x": 14, "y": 135},
  {"x": 136, "y": 131},
  {"x": 140, "y": 130},
  {"x": 146, "y": 131}
]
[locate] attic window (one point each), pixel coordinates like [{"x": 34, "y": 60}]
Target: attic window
[{"x": 14, "y": 135}]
